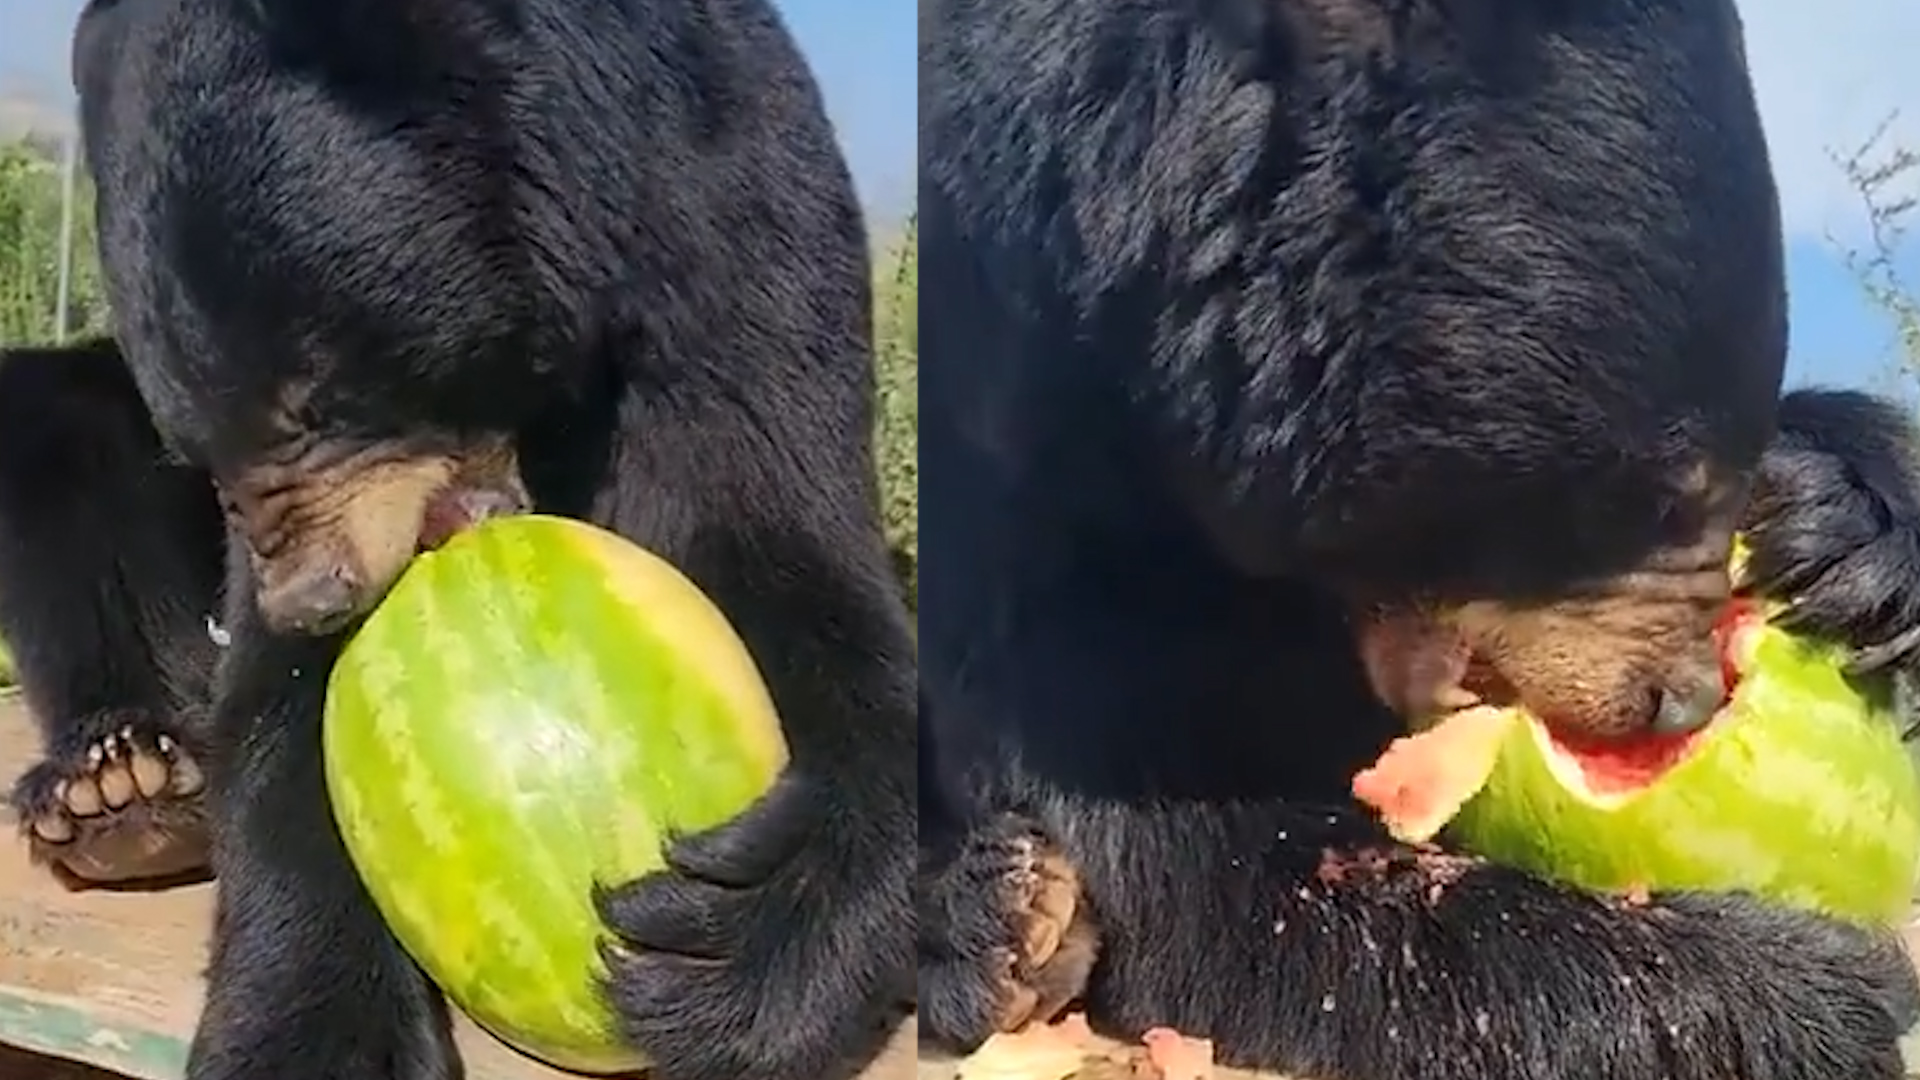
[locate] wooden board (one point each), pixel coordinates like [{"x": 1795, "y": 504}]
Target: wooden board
[{"x": 113, "y": 979}]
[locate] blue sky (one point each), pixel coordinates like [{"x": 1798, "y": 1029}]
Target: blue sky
[{"x": 1826, "y": 74}]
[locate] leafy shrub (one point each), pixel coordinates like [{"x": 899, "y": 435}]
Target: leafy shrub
[
  {"x": 30, "y": 189},
  {"x": 897, "y": 341}
]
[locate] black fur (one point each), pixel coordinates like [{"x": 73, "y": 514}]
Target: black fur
[
  {"x": 619, "y": 232},
  {"x": 1232, "y": 304},
  {"x": 1833, "y": 519},
  {"x": 105, "y": 540}
]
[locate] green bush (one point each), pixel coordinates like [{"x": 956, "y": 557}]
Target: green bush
[
  {"x": 897, "y": 342},
  {"x": 30, "y": 188}
]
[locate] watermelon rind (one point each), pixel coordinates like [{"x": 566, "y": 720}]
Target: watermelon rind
[
  {"x": 1801, "y": 792},
  {"x": 529, "y": 713}
]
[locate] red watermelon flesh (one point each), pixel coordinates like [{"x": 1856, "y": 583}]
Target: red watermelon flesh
[{"x": 1421, "y": 781}]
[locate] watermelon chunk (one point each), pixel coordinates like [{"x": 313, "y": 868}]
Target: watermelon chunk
[
  {"x": 1421, "y": 781},
  {"x": 1177, "y": 1057},
  {"x": 1053, "y": 1051}
]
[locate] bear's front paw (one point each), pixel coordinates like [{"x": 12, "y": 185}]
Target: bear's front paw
[
  {"x": 1018, "y": 944},
  {"x": 121, "y": 802},
  {"x": 1833, "y": 527},
  {"x": 767, "y": 947}
]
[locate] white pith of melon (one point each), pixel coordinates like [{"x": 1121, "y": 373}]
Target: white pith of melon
[{"x": 1568, "y": 773}]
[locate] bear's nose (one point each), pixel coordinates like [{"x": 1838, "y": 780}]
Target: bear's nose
[{"x": 1687, "y": 704}]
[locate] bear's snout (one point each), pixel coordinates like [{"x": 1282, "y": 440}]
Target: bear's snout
[{"x": 325, "y": 543}]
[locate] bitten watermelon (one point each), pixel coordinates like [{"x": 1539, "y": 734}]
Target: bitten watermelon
[
  {"x": 1799, "y": 790},
  {"x": 529, "y": 711},
  {"x": 1422, "y": 780}
]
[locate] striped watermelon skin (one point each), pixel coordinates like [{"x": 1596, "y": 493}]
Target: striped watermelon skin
[
  {"x": 1801, "y": 791},
  {"x": 529, "y": 712}
]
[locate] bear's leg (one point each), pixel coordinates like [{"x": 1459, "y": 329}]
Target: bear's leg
[
  {"x": 1299, "y": 946},
  {"x": 779, "y": 945},
  {"x": 305, "y": 982},
  {"x": 110, "y": 558}
]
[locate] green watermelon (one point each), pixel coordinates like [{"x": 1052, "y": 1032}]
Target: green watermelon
[
  {"x": 1799, "y": 790},
  {"x": 529, "y": 712}
]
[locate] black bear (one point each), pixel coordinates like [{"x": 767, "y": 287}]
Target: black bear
[
  {"x": 379, "y": 268},
  {"x": 1252, "y": 326}
]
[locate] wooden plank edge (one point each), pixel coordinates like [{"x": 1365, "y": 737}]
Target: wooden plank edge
[
  {"x": 75, "y": 1030},
  {"x": 56, "y": 1028}
]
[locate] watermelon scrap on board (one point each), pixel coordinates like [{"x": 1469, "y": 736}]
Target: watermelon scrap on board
[{"x": 1067, "y": 1049}]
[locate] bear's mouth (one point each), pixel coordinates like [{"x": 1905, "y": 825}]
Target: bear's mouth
[
  {"x": 1604, "y": 768},
  {"x": 458, "y": 507},
  {"x": 1424, "y": 667},
  {"x": 328, "y": 536}
]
